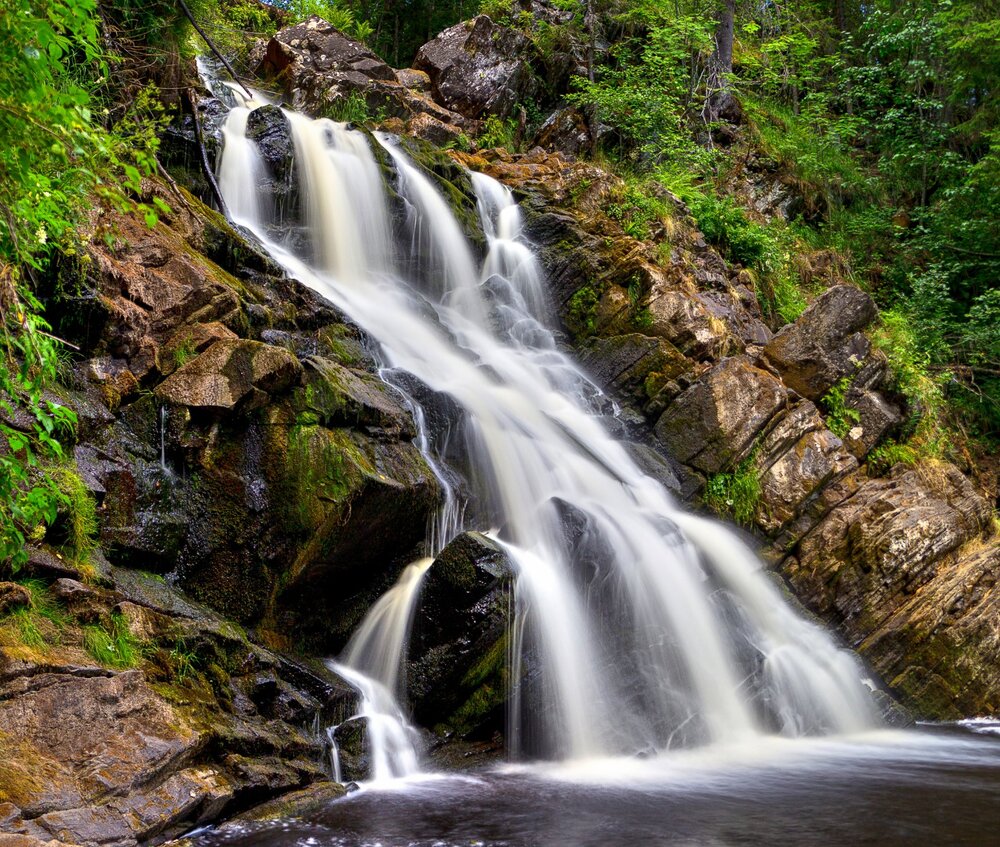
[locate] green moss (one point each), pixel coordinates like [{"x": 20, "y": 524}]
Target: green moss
[
  {"x": 581, "y": 316},
  {"x": 80, "y": 512},
  {"x": 322, "y": 467},
  {"x": 488, "y": 681}
]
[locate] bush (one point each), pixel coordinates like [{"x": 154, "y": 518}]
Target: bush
[{"x": 736, "y": 494}]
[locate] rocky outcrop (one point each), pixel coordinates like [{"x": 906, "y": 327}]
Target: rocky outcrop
[
  {"x": 95, "y": 754},
  {"x": 457, "y": 670},
  {"x": 321, "y": 69},
  {"x": 901, "y": 566},
  {"x": 479, "y": 68},
  {"x": 904, "y": 567},
  {"x": 826, "y": 343}
]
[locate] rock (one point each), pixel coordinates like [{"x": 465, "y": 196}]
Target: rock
[
  {"x": 353, "y": 750},
  {"x": 479, "y": 68},
  {"x": 816, "y": 458},
  {"x": 889, "y": 565},
  {"x": 341, "y": 396},
  {"x": 320, "y": 68},
  {"x": 13, "y": 596},
  {"x": 634, "y": 363},
  {"x": 269, "y": 128},
  {"x": 228, "y": 372},
  {"x": 188, "y": 341},
  {"x": 315, "y": 47},
  {"x": 566, "y": 131},
  {"x": 458, "y": 649},
  {"x": 940, "y": 649},
  {"x": 885, "y": 540},
  {"x": 713, "y": 425},
  {"x": 877, "y": 418},
  {"x": 686, "y": 322},
  {"x": 435, "y": 131},
  {"x": 824, "y": 344},
  {"x": 414, "y": 79}
]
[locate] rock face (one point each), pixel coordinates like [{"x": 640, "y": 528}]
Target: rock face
[
  {"x": 712, "y": 426},
  {"x": 92, "y": 755},
  {"x": 478, "y": 68},
  {"x": 901, "y": 567},
  {"x": 825, "y": 344}
]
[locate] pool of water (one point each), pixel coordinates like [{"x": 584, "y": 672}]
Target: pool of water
[{"x": 931, "y": 787}]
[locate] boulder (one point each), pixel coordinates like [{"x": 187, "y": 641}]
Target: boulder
[
  {"x": 813, "y": 461},
  {"x": 228, "y": 372},
  {"x": 353, "y": 750},
  {"x": 713, "y": 425},
  {"x": 825, "y": 344},
  {"x": 566, "y": 131},
  {"x": 457, "y": 667},
  {"x": 685, "y": 321},
  {"x": 479, "y": 68}
]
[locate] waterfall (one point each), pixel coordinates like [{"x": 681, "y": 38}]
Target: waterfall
[{"x": 649, "y": 628}]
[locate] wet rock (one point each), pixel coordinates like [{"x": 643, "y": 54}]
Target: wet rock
[
  {"x": 825, "y": 343},
  {"x": 457, "y": 665},
  {"x": 340, "y": 396},
  {"x": 228, "y": 372},
  {"x": 478, "y": 68},
  {"x": 713, "y": 425},
  {"x": 353, "y": 750}
]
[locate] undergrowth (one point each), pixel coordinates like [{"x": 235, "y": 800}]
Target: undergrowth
[{"x": 736, "y": 493}]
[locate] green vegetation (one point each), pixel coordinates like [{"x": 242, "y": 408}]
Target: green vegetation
[
  {"x": 38, "y": 625},
  {"x": 839, "y": 416},
  {"x": 57, "y": 161},
  {"x": 735, "y": 494},
  {"x": 113, "y": 645}
]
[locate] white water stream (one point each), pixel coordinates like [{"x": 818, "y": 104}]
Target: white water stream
[{"x": 648, "y": 627}]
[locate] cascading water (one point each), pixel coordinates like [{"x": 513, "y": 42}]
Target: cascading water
[{"x": 649, "y": 627}]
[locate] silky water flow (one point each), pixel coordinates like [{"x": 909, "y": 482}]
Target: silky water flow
[{"x": 647, "y": 628}]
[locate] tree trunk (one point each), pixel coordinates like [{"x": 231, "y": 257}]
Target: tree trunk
[{"x": 719, "y": 100}]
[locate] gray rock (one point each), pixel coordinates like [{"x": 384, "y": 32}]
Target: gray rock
[
  {"x": 478, "y": 67},
  {"x": 713, "y": 425},
  {"x": 824, "y": 344}
]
